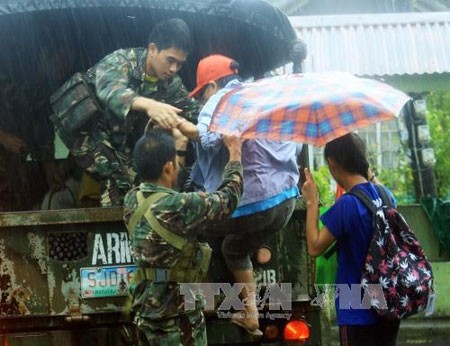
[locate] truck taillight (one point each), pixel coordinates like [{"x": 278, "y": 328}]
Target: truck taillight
[
  {"x": 296, "y": 331},
  {"x": 263, "y": 255}
]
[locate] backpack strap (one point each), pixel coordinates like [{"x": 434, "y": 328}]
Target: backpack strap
[
  {"x": 144, "y": 210},
  {"x": 384, "y": 195},
  {"x": 143, "y": 205},
  {"x": 330, "y": 252},
  {"x": 367, "y": 201}
]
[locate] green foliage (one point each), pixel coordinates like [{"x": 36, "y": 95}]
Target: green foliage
[
  {"x": 400, "y": 181},
  {"x": 323, "y": 179},
  {"x": 438, "y": 116}
]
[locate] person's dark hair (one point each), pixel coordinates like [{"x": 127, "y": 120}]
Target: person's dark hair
[
  {"x": 171, "y": 33},
  {"x": 349, "y": 152},
  {"x": 222, "y": 82},
  {"x": 151, "y": 152}
]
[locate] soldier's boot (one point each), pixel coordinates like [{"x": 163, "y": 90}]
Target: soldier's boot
[{"x": 247, "y": 319}]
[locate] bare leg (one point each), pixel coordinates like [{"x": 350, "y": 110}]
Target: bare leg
[{"x": 249, "y": 318}]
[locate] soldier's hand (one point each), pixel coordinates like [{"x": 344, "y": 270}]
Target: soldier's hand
[
  {"x": 234, "y": 145},
  {"x": 189, "y": 130},
  {"x": 181, "y": 140},
  {"x": 163, "y": 114}
]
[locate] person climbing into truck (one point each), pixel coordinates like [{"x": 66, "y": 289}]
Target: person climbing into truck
[{"x": 271, "y": 176}]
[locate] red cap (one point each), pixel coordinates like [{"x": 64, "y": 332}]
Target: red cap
[{"x": 212, "y": 68}]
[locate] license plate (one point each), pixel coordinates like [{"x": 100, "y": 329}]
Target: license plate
[{"x": 98, "y": 282}]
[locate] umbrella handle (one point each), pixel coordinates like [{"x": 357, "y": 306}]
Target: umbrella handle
[{"x": 303, "y": 162}]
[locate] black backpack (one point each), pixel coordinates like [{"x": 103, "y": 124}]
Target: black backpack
[{"x": 395, "y": 262}]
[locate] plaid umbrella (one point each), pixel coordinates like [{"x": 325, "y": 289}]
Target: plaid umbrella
[{"x": 312, "y": 108}]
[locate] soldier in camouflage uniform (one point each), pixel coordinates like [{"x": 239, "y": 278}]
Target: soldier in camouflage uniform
[
  {"x": 157, "y": 303},
  {"x": 134, "y": 86}
]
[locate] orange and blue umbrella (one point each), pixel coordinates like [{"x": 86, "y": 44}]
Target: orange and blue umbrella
[{"x": 312, "y": 108}]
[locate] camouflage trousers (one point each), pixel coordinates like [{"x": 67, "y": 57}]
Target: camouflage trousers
[
  {"x": 186, "y": 329},
  {"x": 108, "y": 166}
]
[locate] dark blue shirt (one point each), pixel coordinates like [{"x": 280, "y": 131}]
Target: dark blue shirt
[{"x": 350, "y": 222}]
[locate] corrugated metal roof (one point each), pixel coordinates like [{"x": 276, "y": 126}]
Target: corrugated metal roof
[{"x": 376, "y": 45}]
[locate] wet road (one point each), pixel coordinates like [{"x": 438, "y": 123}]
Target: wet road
[{"x": 413, "y": 332}]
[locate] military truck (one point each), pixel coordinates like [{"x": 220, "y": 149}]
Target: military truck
[{"x": 65, "y": 274}]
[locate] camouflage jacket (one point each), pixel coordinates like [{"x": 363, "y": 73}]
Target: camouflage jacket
[
  {"x": 186, "y": 214},
  {"x": 119, "y": 78}
]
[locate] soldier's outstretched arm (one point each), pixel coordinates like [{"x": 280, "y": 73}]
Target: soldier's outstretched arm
[
  {"x": 112, "y": 84},
  {"x": 191, "y": 213},
  {"x": 179, "y": 97},
  {"x": 189, "y": 130},
  {"x": 161, "y": 113}
]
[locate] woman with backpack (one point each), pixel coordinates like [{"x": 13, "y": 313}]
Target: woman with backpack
[{"x": 349, "y": 223}]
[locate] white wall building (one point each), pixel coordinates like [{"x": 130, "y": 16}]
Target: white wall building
[{"x": 406, "y": 50}]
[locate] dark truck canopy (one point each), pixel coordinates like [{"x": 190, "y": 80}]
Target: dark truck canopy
[
  {"x": 35, "y": 34},
  {"x": 43, "y": 42}
]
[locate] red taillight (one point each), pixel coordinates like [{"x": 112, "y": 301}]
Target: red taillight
[
  {"x": 296, "y": 331},
  {"x": 263, "y": 255}
]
